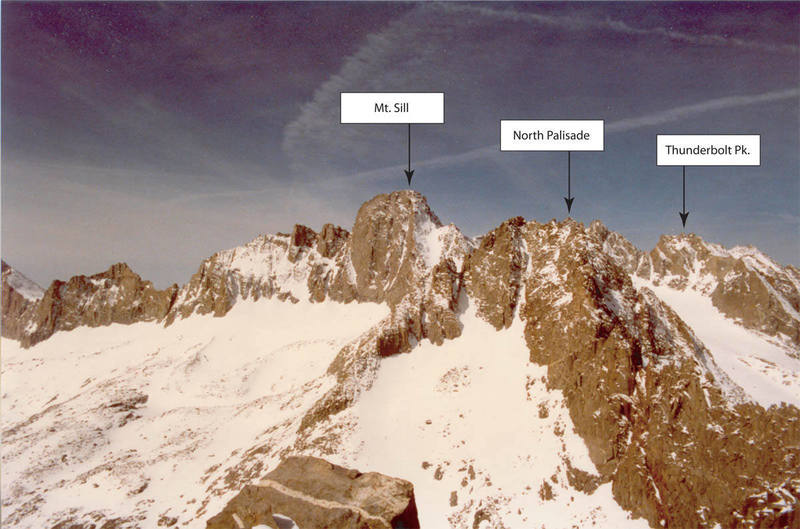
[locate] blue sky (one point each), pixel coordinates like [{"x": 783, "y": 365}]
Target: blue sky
[{"x": 157, "y": 134}]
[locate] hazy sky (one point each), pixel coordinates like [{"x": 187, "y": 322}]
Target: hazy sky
[{"x": 160, "y": 133}]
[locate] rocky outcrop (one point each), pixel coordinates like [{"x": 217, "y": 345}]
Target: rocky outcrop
[
  {"x": 315, "y": 493},
  {"x": 659, "y": 418},
  {"x": 19, "y": 297},
  {"x": 270, "y": 265},
  {"x": 679, "y": 441},
  {"x": 383, "y": 249},
  {"x": 354, "y": 370},
  {"x": 388, "y": 246},
  {"x": 643, "y": 392},
  {"x": 400, "y": 253},
  {"x": 493, "y": 272},
  {"x": 117, "y": 295},
  {"x": 332, "y": 277},
  {"x": 301, "y": 265},
  {"x": 403, "y": 256},
  {"x": 774, "y": 508},
  {"x": 619, "y": 249},
  {"x": 743, "y": 283}
]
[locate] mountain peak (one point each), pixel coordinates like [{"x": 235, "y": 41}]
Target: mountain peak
[
  {"x": 639, "y": 385},
  {"x": 396, "y": 239},
  {"x": 20, "y": 296},
  {"x": 742, "y": 282},
  {"x": 21, "y": 284},
  {"x": 400, "y": 205},
  {"x": 118, "y": 271},
  {"x": 671, "y": 238}
]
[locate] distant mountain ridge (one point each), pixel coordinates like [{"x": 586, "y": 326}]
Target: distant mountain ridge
[
  {"x": 20, "y": 296},
  {"x": 117, "y": 295},
  {"x": 681, "y": 441},
  {"x": 742, "y": 282}
]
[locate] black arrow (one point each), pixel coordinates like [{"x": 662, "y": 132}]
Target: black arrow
[
  {"x": 569, "y": 198},
  {"x": 409, "y": 171},
  {"x": 684, "y": 214}
]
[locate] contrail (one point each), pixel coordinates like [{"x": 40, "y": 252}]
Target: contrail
[
  {"x": 318, "y": 113},
  {"x": 677, "y": 113},
  {"x": 619, "y": 26},
  {"x": 622, "y": 125}
]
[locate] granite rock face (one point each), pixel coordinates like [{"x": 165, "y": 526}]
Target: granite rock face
[
  {"x": 401, "y": 255},
  {"x": 660, "y": 419},
  {"x": 286, "y": 266},
  {"x": 117, "y": 295},
  {"x": 20, "y": 296},
  {"x": 680, "y": 442},
  {"x": 315, "y": 493},
  {"x": 743, "y": 283},
  {"x": 493, "y": 272}
]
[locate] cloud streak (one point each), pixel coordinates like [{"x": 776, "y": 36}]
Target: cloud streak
[
  {"x": 399, "y": 58},
  {"x": 621, "y": 27},
  {"x": 682, "y": 112},
  {"x": 622, "y": 125}
]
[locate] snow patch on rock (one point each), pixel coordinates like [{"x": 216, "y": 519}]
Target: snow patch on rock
[
  {"x": 24, "y": 286},
  {"x": 473, "y": 426},
  {"x": 767, "y": 371}
]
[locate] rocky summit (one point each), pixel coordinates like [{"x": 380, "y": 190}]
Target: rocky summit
[
  {"x": 20, "y": 296},
  {"x": 117, "y": 295},
  {"x": 543, "y": 374}
]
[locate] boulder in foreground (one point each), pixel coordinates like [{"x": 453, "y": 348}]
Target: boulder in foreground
[{"x": 315, "y": 493}]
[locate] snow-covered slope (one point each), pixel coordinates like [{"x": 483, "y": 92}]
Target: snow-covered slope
[
  {"x": 745, "y": 285},
  {"x": 766, "y": 369},
  {"x": 474, "y": 427},
  {"x": 543, "y": 374},
  {"x": 143, "y": 423},
  {"x": 298, "y": 266},
  {"x": 742, "y": 305},
  {"x": 21, "y": 284}
]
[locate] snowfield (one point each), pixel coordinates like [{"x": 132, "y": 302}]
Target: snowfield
[
  {"x": 153, "y": 424},
  {"x": 768, "y": 371},
  {"x": 473, "y": 426},
  {"x": 144, "y": 426},
  {"x": 145, "y": 422}
]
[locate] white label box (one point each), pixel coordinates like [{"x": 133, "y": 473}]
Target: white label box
[
  {"x": 708, "y": 149},
  {"x": 392, "y": 107},
  {"x": 551, "y": 135}
]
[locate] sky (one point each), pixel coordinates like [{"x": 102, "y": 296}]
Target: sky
[{"x": 160, "y": 133}]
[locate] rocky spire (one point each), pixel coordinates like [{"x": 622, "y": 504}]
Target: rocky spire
[{"x": 19, "y": 297}]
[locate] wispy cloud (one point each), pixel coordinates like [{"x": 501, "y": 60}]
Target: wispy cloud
[
  {"x": 682, "y": 112},
  {"x": 619, "y": 26},
  {"x": 411, "y": 53},
  {"x": 622, "y": 125}
]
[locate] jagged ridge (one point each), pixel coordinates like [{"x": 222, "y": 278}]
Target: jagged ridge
[
  {"x": 643, "y": 392},
  {"x": 20, "y": 297}
]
